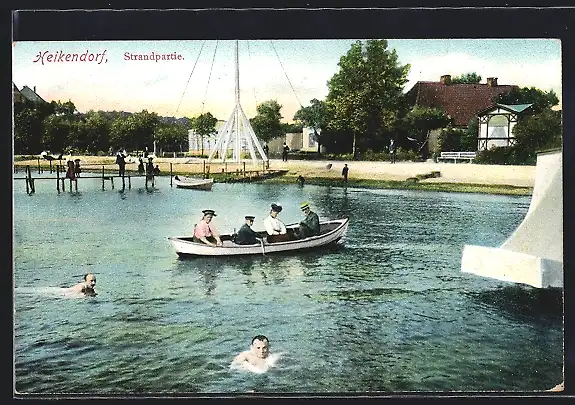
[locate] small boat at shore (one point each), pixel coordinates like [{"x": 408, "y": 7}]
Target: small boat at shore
[
  {"x": 331, "y": 232},
  {"x": 193, "y": 183}
]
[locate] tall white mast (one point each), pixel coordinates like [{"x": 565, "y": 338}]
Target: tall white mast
[{"x": 237, "y": 131}]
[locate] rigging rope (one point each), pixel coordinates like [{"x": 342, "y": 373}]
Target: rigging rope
[
  {"x": 209, "y": 77},
  {"x": 184, "y": 92},
  {"x": 286, "y": 74}
]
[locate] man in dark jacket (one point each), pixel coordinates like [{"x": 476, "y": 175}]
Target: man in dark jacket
[
  {"x": 309, "y": 226},
  {"x": 246, "y": 235}
]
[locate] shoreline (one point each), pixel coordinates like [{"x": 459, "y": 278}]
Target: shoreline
[{"x": 449, "y": 177}]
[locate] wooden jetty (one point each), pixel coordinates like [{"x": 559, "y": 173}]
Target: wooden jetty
[{"x": 106, "y": 175}]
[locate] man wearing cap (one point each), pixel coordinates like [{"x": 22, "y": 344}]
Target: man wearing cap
[
  {"x": 275, "y": 228},
  {"x": 309, "y": 226},
  {"x": 205, "y": 231},
  {"x": 246, "y": 235}
]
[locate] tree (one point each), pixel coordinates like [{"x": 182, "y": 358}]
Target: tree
[
  {"x": 204, "y": 125},
  {"x": 368, "y": 86},
  {"x": 266, "y": 123},
  {"x": 136, "y": 131},
  {"x": 314, "y": 116},
  {"x": 420, "y": 121},
  {"x": 541, "y": 100},
  {"x": 538, "y": 132},
  {"x": 93, "y": 133},
  {"x": 466, "y": 78},
  {"x": 172, "y": 137}
]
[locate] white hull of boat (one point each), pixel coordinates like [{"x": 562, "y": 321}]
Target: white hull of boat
[
  {"x": 193, "y": 183},
  {"x": 331, "y": 232}
]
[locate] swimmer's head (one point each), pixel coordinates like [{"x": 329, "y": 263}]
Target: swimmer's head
[
  {"x": 260, "y": 346},
  {"x": 90, "y": 280}
]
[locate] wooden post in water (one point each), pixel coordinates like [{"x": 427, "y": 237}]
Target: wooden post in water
[
  {"x": 38, "y": 165},
  {"x": 129, "y": 183},
  {"x": 244, "y": 169},
  {"x": 27, "y": 183},
  {"x": 58, "y": 179},
  {"x": 50, "y": 167},
  {"x": 171, "y": 183},
  {"x": 102, "y": 177}
]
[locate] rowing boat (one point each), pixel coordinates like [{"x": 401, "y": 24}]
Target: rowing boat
[
  {"x": 331, "y": 232},
  {"x": 193, "y": 183}
]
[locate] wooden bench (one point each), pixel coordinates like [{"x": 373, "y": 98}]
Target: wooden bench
[{"x": 458, "y": 155}]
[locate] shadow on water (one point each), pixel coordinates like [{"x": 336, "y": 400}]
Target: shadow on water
[{"x": 524, "y": 303}]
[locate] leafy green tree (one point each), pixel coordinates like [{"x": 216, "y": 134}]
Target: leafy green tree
[
  {"x": 266, "y": 123},
  {"x": 314, "y": 116},
  {"x": 57, "y": 133},
  {"x": 204, "y": 125},
  {"x": 172, "y": 137},
  {"x": 541, "y": 100},
  {"x": 469, "y": 137},
  {"x": 28, "y": 131},
  {"x": 93, "y": 133},
  {"x": 466, "y": 78},
  {"x": 538, "y": 132},
  {"x": 420, "y": 121},
  {"x": 366, "y": 92},
  {"x": 134, "y": 132}
]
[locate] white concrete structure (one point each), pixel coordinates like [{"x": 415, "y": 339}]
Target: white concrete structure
[
  {"x": 237, "y": 131},
  {"x": 533, "y": 254}
]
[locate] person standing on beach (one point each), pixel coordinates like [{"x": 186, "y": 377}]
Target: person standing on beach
[
  {"x": 205, "y": 231},
  {"x": 267, "y": 150},
  {"x": 392, "y": 150},
  {"x": 344, "y": 172},
  {"x": 140, "y": 166},
  {"x": 285, "y": 152}
]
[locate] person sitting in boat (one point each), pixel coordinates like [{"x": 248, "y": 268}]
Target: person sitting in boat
[
  {"x": 275, "y": 228},
  {"x": 309, "y": 226},
  {"x": 258, "y": 358},
  {"x": 86, "y": 287},
  {"x": 205, "y": 231},
  {"x": 246, "y": 235}
]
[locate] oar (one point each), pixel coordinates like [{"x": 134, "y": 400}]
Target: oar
[{"x": 263, "y": 249}]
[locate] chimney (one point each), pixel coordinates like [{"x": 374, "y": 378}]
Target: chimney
[
  {"x": 34, "y": 89},
  {"x": 445, "y": 79},
  {"x": 492, "y": 81}
]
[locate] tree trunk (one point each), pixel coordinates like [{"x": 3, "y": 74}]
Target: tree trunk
[
  {"x": 354, "y": 147},
  {"x": 202, "y": 141}
]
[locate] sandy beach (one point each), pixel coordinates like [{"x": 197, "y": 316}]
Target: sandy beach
[{"x": 463, "y": 173}]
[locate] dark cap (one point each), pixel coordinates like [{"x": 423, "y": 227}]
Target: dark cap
[
  {"x": 210, "y": 212},
  {"x": 250, "y": 217},
  {"x": 276, "y": 208}
]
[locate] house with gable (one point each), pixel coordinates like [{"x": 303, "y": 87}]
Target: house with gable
[
  {"x": 462, "y": 102},
  {"x": 26, "y": 93},
  {"x": 496, "y": 124}
]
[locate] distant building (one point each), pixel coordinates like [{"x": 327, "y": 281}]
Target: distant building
[
  {"x": 195, "y": 140},
  {"x": 460, "y": 101},
  {"x": 29, "y": 94},
  {"x": 496, "y": 124}
]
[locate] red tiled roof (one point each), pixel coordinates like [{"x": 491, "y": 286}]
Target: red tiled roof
[{"x": 461, "y": 101}]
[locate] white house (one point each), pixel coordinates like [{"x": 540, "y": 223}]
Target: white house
[
  {"x": 496, "y": 125},
  {"x": 195, "y": 140}
]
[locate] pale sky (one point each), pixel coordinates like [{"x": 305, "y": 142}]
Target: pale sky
[{"x": 194, "y": 84}]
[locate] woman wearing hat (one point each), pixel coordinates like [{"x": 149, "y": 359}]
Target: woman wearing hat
[
  {"x": 275, "y": 228},
  {"x": 205, "y": 231},
  {"x": 246, "y": 235}
]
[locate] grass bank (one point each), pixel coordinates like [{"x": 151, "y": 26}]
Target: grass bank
[{"x": 407, "y": 185}]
